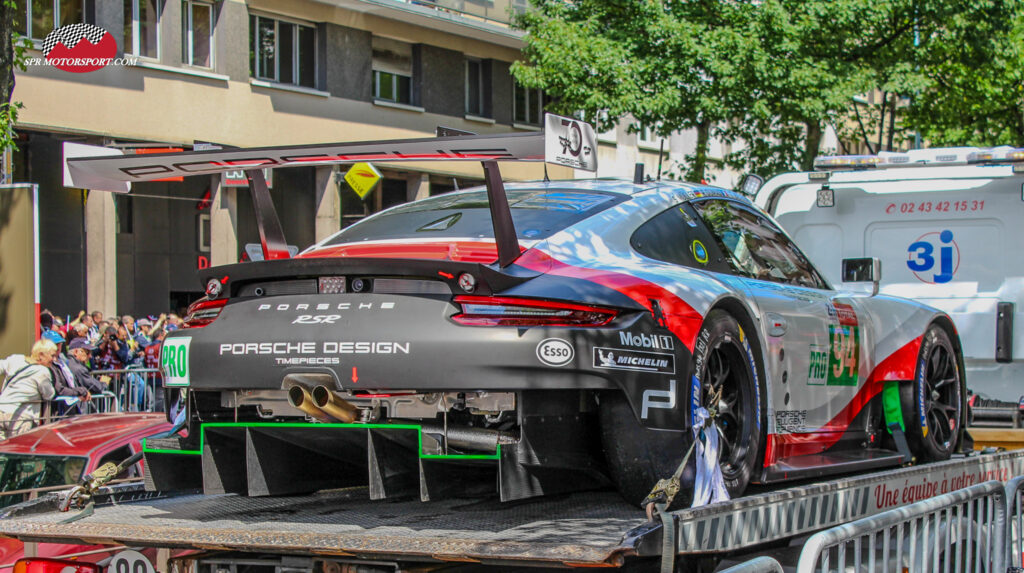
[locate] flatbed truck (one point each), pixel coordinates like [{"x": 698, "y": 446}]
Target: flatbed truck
[{"x": 341, "y": 531}]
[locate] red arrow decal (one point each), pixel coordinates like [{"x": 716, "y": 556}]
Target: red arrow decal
[{"x": 355, "y": 375}]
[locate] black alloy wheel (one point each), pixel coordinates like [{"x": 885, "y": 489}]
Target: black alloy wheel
[
  {"x": 933, "y": 405},
  {"x": 730, "y": 394}
]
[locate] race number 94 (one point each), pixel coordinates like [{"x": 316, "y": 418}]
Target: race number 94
[{"x": 174, "y": 359}]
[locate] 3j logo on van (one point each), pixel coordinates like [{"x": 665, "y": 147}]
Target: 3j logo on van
[{"x": 930, "y": 266}]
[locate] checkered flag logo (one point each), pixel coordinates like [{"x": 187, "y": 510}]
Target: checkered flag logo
[{"x": 70, "y": 35}]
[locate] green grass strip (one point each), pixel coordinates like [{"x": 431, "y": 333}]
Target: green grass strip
[{"x": 418, "y": 428}]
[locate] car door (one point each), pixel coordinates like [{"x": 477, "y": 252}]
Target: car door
[{"x": 815, "y": 347}]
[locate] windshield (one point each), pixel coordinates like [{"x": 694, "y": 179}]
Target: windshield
[
  {"x": 537, "y": 213},
  {"x": 20, "y": 472}
]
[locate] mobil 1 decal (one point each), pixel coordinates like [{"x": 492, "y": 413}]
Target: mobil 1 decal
[{"x": 837, "y": 363}]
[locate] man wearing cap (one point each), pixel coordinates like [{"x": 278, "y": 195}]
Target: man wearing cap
[
  {"x": 80, "y": 351},
  {"x": 64, "y": 383},
  {"x": 142, "y": 333}
]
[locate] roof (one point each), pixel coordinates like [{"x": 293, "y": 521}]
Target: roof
[{"x": 80, "y": 435}]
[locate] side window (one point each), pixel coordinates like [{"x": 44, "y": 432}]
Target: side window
[
  {"x": 675, "y": 236},
  {"x": 755, "y": 247}
]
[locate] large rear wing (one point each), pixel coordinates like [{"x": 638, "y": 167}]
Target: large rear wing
[{"x": 564, "y": 141}]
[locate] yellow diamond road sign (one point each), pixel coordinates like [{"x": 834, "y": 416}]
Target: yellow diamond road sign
[{"x": 362, "y": 177}]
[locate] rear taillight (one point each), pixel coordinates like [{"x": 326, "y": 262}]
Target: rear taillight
[
  {"x": 41, "y": 565},
  {"x": 505, "y": 311},
  {"x": 203, "y": 311}
]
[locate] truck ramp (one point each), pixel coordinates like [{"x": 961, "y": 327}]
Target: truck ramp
[{"x": 579, "y": 529}]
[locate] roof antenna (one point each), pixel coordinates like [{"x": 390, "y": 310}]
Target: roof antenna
[
  {"x": 638, "y": 174},
  {"x": 661, "y": 153},
  {"x": 546, "y": 180}
]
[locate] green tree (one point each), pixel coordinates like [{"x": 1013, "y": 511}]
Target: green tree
[
  {"x": 771, "y": 76},
  {"x": 13, "y": 52},
  {"x": 653, "y": 60},
  {"x": 967, "y": 86}
]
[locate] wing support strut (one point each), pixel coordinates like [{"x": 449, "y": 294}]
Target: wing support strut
[
  {"x": 501, "y": 215},
  {"x": 271, "y": 234}
]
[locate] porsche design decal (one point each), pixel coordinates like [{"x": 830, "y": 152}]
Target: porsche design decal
[{"x": 619, "y": 359}]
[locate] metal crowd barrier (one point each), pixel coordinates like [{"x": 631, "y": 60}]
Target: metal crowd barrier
[
  {"x": 127, "y": 390},
  {"x": 133, "y": 389},
  {"x": 1015, "y": 522},
  {"x": 959, "y": 532}
]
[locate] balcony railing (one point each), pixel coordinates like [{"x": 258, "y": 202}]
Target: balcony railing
[{"x": 500, "y": 12}]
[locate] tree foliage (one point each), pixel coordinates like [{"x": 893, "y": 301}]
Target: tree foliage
[
  {"x": 13, "y": 53},
  {"x": 771, "y": 76}
]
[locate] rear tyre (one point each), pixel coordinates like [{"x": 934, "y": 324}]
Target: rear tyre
[
  {"x": 639, "y": 457},
  {"x": 933, "y": 404}
]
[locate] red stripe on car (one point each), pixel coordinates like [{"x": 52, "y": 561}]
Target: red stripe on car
[
  {"x": 899, "y": 365},
  {"x": 680, "y": 317}
]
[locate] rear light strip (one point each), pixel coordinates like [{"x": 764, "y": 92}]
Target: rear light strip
[
  {"x": 203, "y": 311},
  {"x": 508, "y": 311}
]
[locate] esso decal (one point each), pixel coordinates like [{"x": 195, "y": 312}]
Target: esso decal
[
  {"x": 934, "y": 257},
  {"x": 555, "y": 352}
]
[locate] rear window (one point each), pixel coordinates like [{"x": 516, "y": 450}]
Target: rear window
[
  {"x": 20, "y": 472},
  {"x": 537, "y": 213}
]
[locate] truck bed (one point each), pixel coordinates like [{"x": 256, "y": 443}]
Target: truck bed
[{"x": 580, "y": 529}]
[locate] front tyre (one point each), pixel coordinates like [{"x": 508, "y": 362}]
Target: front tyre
[
  {"x": 724, "y": 366},
  {"x": 933, "y": 405}
]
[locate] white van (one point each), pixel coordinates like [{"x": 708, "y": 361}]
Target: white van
[{"x": 948, "y": 228}]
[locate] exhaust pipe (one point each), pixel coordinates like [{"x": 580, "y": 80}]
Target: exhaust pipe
[
  {"x": 328, "y": 402},
  {"x": 466, "y": 438},
  {"x": 299, "y": 397}
]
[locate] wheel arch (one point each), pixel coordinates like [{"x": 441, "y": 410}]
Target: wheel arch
[
  {"x": 745, "y": 317},
  {"x": 743, "y": 314}
]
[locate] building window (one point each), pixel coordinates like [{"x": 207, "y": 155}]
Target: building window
[
  {"x": 527, "y": 105},
  {"x": 476, "y": 92},
  {"x": 283, "y": 52},
  {"x": 142, "y": 28},
  {"x": 647, "y": 135},
  {"x": 392, "y": 70},
  {"x": 197, "y": 33},
  {"x": 37, "y": 18}
]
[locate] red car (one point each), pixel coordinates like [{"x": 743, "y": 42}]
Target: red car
[{"x": 61, "y": 453}]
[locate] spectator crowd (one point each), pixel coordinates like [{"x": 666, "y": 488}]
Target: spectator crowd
[{"x": 71, "y": 363}]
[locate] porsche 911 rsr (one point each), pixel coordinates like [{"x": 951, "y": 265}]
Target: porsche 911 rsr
[
  {"x": 396, "y": 353},
  {"x": 538, "y": 337}
]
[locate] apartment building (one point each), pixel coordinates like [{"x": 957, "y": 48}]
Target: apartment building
[{"x": 252, "y": 73}]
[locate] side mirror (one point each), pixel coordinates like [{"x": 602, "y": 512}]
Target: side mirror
[
  {"x": 750, "y": 184},
  {"x": 864, "y": 270}
]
